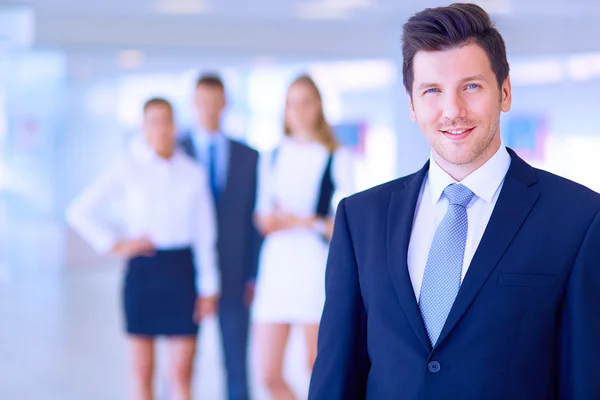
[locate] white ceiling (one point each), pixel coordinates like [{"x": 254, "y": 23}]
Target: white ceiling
[
  {"x": 282, "y": 9},
  {"x": 240, "y": 30}
]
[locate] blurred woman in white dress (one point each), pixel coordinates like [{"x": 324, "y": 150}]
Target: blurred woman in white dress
[
  {"x": 300, "y": 184},
  {"x": 167, "y": 233}
]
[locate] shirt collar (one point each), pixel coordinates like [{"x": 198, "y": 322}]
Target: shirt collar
[
  {"x": 203, "y": 138},
  {"x": 484, "y": 181},
  {"x": 143, "y": 152},
  {"x": 141, "y": 149}
]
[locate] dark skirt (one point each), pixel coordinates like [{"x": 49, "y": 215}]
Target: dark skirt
[{"x": 160, "y": 294}]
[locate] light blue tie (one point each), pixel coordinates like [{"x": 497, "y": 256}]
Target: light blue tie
[{"x": 443, "y": 270}]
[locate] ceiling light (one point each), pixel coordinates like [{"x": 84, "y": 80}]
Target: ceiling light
[
  {"x": 330, "y": 9},
  {"x": 130, "y": 59},
  {"x": 315, "y": 11},
  {"x": 180, "y": 6}
]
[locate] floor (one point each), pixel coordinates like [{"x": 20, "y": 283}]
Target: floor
[{"x": 61, "y": 339}]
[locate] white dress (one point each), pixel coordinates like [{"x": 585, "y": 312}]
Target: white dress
[{"x": 291, "y": 277}]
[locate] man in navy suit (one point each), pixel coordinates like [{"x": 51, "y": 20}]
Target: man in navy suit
[
  {"x": 232, "y": 168},
  {"x": 477, "y": 277}
]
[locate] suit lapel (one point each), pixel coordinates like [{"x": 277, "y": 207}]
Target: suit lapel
[
  {"x": 514, "y": 204},
  {"x": 399, "y": 227}
]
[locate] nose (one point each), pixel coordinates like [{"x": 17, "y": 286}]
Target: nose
[{"x": 454, "y": 106}]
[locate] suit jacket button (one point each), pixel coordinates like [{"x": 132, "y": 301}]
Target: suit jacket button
[{"x": 434, "y": 367}]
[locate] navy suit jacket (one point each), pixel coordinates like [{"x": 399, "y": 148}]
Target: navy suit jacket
[
  {"x": 238, "y": 241},
  {"x": 526, "y": 321}
]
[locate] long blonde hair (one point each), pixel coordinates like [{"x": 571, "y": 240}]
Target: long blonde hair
[{"x": 325, "y": 134}]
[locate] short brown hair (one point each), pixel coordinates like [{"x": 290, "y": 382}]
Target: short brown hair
[
  {"x": 444, "y": 28},
  {"x": 325, "y": 134},
  {"x": 212, "y": 80},
  {"x": 157, "y": 101}
]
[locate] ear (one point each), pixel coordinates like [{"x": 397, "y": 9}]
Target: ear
[
  {"x": 411, "y": 109},
  {"x": 506, "y": 92}
]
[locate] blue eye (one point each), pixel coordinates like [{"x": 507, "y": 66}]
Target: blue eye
[
  {"x": 432, "y": 90},
  {"x": 472, "y": 86}
]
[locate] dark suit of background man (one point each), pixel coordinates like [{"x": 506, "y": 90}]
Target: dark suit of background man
[
  {"x": 232, "y": 170},
  {"x": 476, "y": 278}
]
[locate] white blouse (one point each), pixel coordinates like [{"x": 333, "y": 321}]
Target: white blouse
[{"x": 168, "y": 201}]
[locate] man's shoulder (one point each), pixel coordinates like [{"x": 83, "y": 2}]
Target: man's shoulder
[
  {"x": 184, "y": 136},
  {"x": 380, "y": 193},
  {"x": 185, "y": 142},
  {"x": 243, "y": 147},
  {"x": 243, "y": 152},
  {"x": 567, "y": 191}
]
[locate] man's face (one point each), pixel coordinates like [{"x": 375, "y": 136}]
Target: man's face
[
  {"x": 160, "y": 128},
  {"x": 457, "y": 103},
  {"x": 209, "y": 102}
]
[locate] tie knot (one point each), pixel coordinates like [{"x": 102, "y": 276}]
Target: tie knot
[{"x": 458, "y": 194}]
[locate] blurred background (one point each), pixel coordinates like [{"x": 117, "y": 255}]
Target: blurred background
[{"x": 74, "y": 76}]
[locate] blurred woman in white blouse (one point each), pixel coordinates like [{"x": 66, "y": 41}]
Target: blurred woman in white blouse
[
  {"x": 299, "y": 186},
  {"x": 166, "y": 232}
]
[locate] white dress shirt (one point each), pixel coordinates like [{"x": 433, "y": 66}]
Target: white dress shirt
[
  {"x": 168, "y": 201},
  {"x": 486, "y": 182}
]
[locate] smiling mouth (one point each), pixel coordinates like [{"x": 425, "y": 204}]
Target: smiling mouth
[
  {"x": 456, "y": 134},
  {"x": 457, "y": 131}
]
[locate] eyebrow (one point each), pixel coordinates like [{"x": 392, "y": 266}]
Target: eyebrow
[{"x": 478, "y": 77}]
